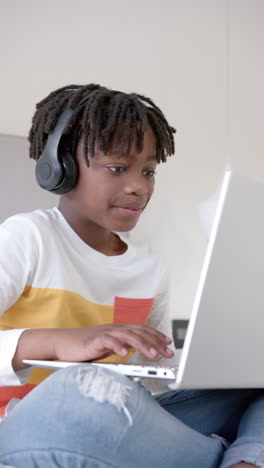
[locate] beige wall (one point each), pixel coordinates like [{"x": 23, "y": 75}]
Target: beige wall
[
  {"x": 18, "y": 190},
  {"x": 200, "y": 60}
]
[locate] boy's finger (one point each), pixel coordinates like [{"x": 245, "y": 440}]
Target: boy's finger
[
  {"x": 152, "y": 331},
  {"x": 114, "y": 344},
  {"x": 146, "y": 343}
]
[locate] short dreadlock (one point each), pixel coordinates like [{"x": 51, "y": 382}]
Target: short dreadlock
[{"x": 105, "y": 118}]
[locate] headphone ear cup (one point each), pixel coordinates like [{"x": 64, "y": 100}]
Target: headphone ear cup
[{"x": 70, "y": 176}]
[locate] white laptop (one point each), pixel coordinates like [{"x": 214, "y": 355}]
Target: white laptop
[{"x": 224, "y": 343}]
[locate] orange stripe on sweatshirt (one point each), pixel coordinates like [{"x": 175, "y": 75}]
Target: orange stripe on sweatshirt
[{"x": 132, "y": 310}]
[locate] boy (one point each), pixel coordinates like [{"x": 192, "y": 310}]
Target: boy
[{"x": 73, "y": 289}]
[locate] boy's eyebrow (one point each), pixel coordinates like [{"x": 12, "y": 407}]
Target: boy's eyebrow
[
  {"x": 116, "y": 153},
  {"x": 154, "y": 157}
]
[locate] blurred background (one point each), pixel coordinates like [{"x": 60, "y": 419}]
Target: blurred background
[{"x": 201, "y": 61}]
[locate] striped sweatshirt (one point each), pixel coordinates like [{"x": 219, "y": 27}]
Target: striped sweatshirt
[{"x": 50, "y": 278}]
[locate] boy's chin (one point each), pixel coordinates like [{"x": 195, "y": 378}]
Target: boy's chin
[{"x": 125, "y": 228}]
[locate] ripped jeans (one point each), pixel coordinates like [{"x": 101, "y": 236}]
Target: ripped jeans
[{"x": 89, "y": 417}]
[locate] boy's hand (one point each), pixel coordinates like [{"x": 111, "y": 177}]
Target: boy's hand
[{"x": 91, "y": 343}]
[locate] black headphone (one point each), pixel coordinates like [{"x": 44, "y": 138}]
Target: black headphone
[{"x": 58, "y": 172}]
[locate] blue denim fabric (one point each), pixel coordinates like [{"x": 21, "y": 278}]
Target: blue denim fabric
[{"x": 87, "y": 417}]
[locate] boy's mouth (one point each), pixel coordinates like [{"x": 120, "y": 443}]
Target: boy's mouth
[{"x": 128, "y": 210}]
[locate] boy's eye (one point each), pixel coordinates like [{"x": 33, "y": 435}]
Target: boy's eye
[
  {"x": 117, "y": 169},
  {"x": 149, "y": 173}
]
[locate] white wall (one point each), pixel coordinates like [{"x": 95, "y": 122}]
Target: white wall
[{"x": 200, "y": 60}]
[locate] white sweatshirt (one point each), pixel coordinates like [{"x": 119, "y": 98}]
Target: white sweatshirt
[{"x": 50, "y": 278}]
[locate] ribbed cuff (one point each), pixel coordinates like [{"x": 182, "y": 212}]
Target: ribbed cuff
[{"x": 8, "y": 345}]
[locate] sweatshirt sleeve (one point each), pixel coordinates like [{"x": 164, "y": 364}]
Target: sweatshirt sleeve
[{"x": 18, "y": 260}]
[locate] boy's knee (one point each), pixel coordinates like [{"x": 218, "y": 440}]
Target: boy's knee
[{"x": 97, "y": 385}]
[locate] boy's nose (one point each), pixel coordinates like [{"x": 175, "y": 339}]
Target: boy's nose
[{"x": 137, "y": 186}]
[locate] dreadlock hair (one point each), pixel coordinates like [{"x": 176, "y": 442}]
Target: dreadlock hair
[{"x": 106, "y": 118}]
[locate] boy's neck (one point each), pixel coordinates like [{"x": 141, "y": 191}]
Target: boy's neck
[{"x": 102, "y": 240}]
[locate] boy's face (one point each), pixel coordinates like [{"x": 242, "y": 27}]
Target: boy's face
[{"x": 113, "y": 191}]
